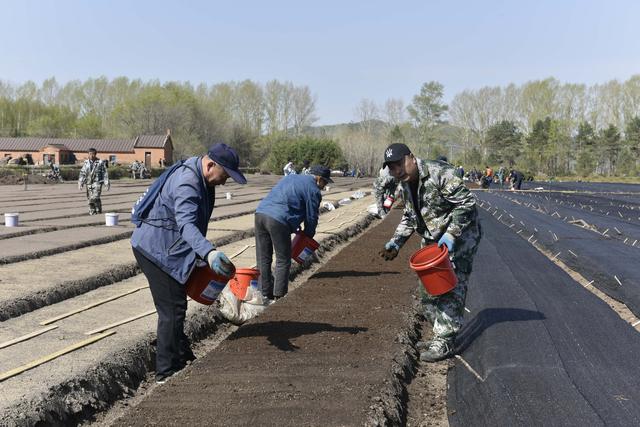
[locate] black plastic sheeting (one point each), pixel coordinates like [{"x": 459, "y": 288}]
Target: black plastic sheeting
[
  {"x": 610, "y": 261},
  {"x": 547, "y": 351},
  {"x": 576, "y": 186}
]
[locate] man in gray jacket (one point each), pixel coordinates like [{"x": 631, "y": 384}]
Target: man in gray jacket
[{"x": 172, "y": 236}]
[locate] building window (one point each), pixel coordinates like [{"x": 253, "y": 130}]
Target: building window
[{"x": 112, "y": 159}]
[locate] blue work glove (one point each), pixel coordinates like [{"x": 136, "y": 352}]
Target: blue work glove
[
  {"x": 220, "y": 264},
  {"x": 448, "y": 240},
  {"x": 390, "y": 250}
]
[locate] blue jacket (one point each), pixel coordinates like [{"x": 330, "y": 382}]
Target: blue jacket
[
  {"x": 173, "y": 234},
  {"x": 294, "y": 199}
]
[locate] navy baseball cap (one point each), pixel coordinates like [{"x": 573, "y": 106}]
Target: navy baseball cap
[
  {"x": 395, "y": 152},
  {"x": 226, "y": 157},
  {"x": 321, "y": 171}
]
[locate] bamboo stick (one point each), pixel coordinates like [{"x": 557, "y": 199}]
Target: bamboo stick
[
  {"x": 120, "y": 322},
  {"x": 27, "y": 336},
  {"x": 90, "y": 306},
  {"x": 52, "y": 356}
]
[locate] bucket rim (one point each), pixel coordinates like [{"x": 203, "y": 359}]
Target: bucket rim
[
  {"x": 418, "y": 266},
  {"x": 11, "y": 214},
  {"x": 247, "y": 271},
  {"x": 308, "y": 240}
]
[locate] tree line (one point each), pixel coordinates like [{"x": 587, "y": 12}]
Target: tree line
[
  {"x": 544, "y": 126},
  {"x": 246, "y": 114}
]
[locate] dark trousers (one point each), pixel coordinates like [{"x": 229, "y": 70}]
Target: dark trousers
[
  {"x": 170, "y": 298},
  {"x": 517, "y": 184},
  {"x": 270, "y": 235}
]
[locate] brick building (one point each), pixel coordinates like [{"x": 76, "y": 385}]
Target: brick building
[{"x": 153, "y": 150}]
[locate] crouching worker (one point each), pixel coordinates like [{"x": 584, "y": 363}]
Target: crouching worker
[
  {"x": 441, "y": 209},
  {"x": 294, "y": 200},
  {"x": 171, "y": 219}
]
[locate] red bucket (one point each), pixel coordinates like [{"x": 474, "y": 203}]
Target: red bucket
[
  {"x": 244, "y": 278},
  {"x": 204, "y": 285},
  {"x": 302, "y": 247},
  {"x": 434, "y": 269}
]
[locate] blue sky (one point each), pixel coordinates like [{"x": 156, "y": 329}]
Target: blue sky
[{"x": 344, "y": 51}]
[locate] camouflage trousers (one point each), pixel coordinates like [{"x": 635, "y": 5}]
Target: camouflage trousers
[
  {"x": 446, "y": 311},
  {"x": 94, "y": 191}
]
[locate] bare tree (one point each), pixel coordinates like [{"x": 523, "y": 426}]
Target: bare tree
[{"x": 303, "y": 109}]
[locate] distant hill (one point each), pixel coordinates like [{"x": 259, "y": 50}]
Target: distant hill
[{"x": 330, "y": 131}]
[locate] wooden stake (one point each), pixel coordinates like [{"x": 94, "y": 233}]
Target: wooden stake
[
  {"x": 27, "y": 336},
  {"x": 52, "y": 356}
]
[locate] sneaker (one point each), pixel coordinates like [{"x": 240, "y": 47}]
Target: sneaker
[
  {"x": 161, "y": 379},
  {"x": 437, "y": 349}
]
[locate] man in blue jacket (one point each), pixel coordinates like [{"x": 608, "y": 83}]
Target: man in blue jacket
[
  {"x": 170, "y": 239},
  {"x": 294, "y": 200}
]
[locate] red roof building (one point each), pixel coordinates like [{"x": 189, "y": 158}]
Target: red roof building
[{"x": 152, "y": 150}]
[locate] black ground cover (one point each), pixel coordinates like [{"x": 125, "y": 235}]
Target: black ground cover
[
  {"x": 608, "y": 261},
  {"x": 613, "y": 215},
  {"x": 547, "y": 351}
]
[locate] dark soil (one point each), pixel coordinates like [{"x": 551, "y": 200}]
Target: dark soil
[{"x": 321, "y": 356}]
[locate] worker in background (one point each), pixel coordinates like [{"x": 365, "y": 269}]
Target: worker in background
[
  {"x": 306, "y": 167},
  {"x": 94, "y": 175},
  {"x": 500, "y": 176},
  {"x": 293, "y": 201},
  {"x": 516, "y": 177},
  {"x": 440, "y": 208},
  {"x": 288, "y": 169},
  {"x": 134, "y": 169},
  {"x": 385, "y": 191},
  {"x": 170, "y": 239}
]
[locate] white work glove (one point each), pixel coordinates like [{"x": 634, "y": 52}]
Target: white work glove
[
  {"x": 108, "y": 185},
  {"x": 80, "y": 186},
  {"x": 447, "y": 239},
  {"x": 220, "y": 264}
]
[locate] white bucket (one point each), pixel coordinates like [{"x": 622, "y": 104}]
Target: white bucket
[
  {"x": 11, "y": 219},
  {"x": 228, "y": 196},
  {"x": 111, "y": 219}
]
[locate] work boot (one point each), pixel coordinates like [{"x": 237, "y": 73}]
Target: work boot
[
  {"x": 438, "y": 349},
  {"x": 423, "y": 345}
]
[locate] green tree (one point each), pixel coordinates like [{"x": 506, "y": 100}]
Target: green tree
[
  {"x": 608, "y": 147},
  {"x": 428, "y": 110},
  {"x": 317, "y": 151},
  {"x": 504, "y": 141},
  {"x": 395, "y": 135},
  {"x": 584, "y": 142},
  {"x": 536, "y": 145}
]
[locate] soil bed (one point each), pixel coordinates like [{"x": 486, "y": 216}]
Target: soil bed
[{"x": 321, "y": 356}]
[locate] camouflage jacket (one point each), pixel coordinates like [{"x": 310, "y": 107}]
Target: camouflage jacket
[
  {"x": 93, "y": 172},
  {"x": 445, "y": 204},
  {"x": 384, "y": 186}
]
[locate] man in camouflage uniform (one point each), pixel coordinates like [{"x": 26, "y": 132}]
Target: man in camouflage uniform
[
  {"x": 384, "y": 186},
  {"x": 441, "y": 209},
  {"x": 94, "y": 175}
]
